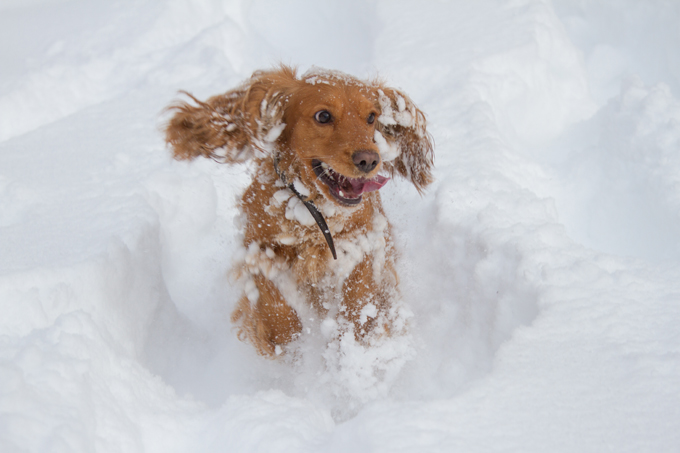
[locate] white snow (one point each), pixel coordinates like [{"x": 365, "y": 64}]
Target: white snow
[
  {"x": 301, "y": 188},
  {"x": 388, "y": 150},
  {"x": 274, "y": 133},
  {"x": 541, "y": 271},
  {"x": 296, "y": 210}
]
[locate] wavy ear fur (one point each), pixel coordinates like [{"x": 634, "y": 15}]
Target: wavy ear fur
[
  {"x": 234, "y": 126},
  {"x": 402, "y": 124}
]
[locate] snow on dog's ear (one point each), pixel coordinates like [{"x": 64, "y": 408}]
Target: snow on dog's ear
[
  {"x": 405, "y": 145},
  {"x": 235, "y": 126}
]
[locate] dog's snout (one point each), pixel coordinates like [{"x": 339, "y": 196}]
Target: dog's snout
[{"x": 366, "y": 161}]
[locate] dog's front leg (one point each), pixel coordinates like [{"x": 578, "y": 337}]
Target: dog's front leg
[
  {"x": 365, "y": 300},
  {"x": 269, "y": 322}
]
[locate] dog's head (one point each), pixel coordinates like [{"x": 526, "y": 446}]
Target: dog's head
[{"x": 324, "y": 128}]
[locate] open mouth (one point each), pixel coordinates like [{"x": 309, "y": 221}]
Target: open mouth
[{"x": 346, "y": 190}]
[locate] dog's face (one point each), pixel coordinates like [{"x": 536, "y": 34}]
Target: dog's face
[
  {"x": 327, "y": 129},
  {"x": 331, "y": 128}
]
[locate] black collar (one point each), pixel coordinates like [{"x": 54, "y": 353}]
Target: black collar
[{"x": 310, "y": 207}]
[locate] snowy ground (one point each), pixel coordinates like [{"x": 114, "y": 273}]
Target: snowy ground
[{"x": 542, "y": 268}]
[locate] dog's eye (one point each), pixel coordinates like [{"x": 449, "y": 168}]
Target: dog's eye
[
  {"x": 370, "y": 118},
  {"x": 323, "y": 116}
]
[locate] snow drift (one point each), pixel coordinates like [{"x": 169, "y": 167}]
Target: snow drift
[{"x": 542, "y": 267}]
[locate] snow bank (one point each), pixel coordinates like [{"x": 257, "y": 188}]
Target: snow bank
[
  {"x": 541, "y": 268},
  {"x": 618, "y": 173}
]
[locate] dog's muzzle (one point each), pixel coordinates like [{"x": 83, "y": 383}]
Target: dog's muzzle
[{"x": 346, "y": 190}]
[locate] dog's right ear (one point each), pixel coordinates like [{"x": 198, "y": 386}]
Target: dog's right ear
[{"x": 234, "y": 126}]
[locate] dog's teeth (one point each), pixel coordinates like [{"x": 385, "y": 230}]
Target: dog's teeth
[{"x": 341, "y": 194}]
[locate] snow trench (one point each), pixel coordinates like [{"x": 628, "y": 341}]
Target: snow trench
[{"x": 539, "y": 272}]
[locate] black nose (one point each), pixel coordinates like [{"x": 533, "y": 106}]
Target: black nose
[{"x": 366, "y": 161}]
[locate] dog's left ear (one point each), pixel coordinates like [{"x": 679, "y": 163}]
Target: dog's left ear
[{"x": 406, "y": 146}]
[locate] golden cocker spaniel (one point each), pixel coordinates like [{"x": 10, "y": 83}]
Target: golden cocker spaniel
[{"x": 317, "y": 242}]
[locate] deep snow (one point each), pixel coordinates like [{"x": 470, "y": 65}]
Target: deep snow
[{"x": 542, "y": 268}]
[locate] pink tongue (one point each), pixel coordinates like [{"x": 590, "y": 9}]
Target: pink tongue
[{"x": 360, "y": 186}]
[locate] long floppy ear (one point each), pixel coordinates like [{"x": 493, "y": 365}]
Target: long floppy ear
[
  {"x": 407, "y": 149},
  {"x": 235, "y": 126}
]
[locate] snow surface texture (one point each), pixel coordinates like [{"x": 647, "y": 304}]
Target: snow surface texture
[{"x": 542, "y": 268}]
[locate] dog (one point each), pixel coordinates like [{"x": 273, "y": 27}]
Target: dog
[{"x": 317, "y": 244}]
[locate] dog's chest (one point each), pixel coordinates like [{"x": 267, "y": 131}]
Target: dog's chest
[{"x": 282, "y": 236}]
